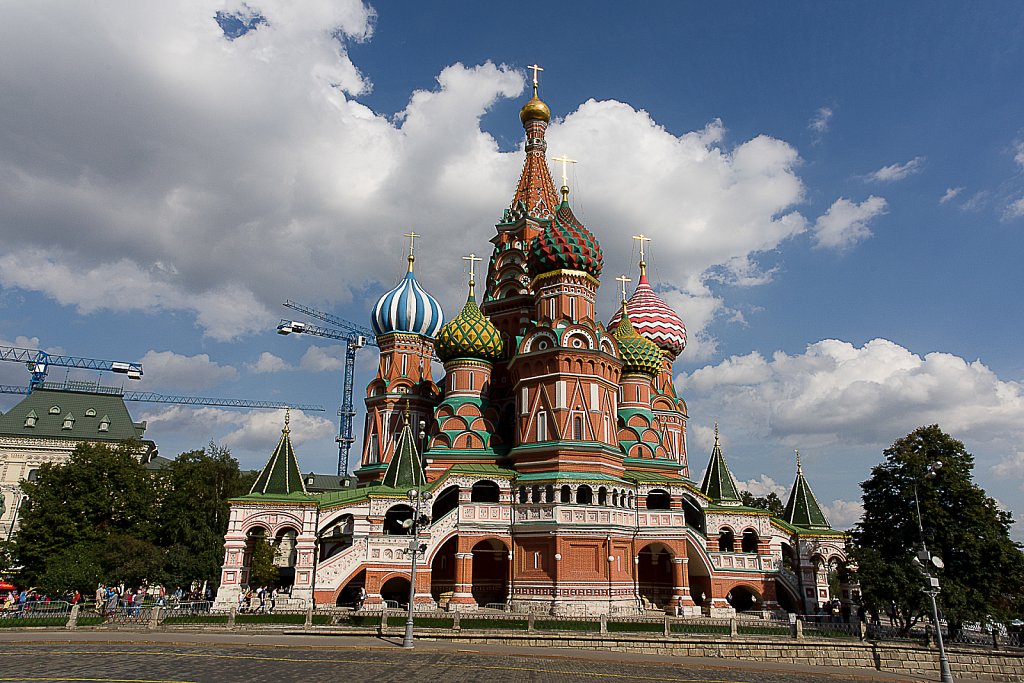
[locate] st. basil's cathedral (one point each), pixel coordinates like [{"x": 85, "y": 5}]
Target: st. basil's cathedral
[{"x": 552, "y": 453}]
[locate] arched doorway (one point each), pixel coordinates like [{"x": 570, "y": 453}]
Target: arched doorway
[
  {"x": 445, "y": 502},
  {"x": 442, "y": 572},
  {"x": 743, "y": 598},
  {"x": 285, "y": 556},
  {"x": 395, "y": 520},
  {"x": 654, "y": 576},
  {"x": 658, "y": 499},
  {"x": 490, "y": 572},
  {"x": 485, "y": 491},
  {"x": 336, "y": 537},
  {"x": 349, "y": 593},
  {"x": 396, "y": 590}
]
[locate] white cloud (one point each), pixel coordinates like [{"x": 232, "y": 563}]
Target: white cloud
[
  {"x": 846, "y": 222},
  {"x": 1011, "y": 468},
  {"x": 168, "y": 370},
  {"x": 268, "y": 362},
  {"x": 165, "y": 167},
  {"x": 1014, "y": 210},
  {"x": 837, "y": 393},
  {"x": 820, "y": 121},
  {"x": 252, "y": 431},
  {"x": 323, "y": 359},
  {"x": 1018, "y": 155},
  {"x": 843, "y": 514},
  {"x": 894, "y": 172},
  {"x": 764, "y": 485},
  {"x": 950, "y": 194}
]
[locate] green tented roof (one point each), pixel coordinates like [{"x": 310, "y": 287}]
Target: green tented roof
[
  {"x": 281, "y": 474},
  {"x": 405, "y": 469},
  {"x": 89, "y": 410},
  {"x": 719, "y": 484},
  {"x": 802, "y": 509}
]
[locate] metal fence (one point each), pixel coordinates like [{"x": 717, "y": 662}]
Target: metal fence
[{"x": 36, "y": 613}]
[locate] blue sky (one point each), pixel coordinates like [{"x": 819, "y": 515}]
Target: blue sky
[{"x": 835, "y": 192}]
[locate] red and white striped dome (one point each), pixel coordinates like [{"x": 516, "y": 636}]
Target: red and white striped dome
[{"x": 653, "y": 319}]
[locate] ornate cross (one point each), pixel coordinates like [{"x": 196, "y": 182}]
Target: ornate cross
[
  {"x": 473, "y": 259},
  {"x": 641, "y": 238},
  {"x": 565, "y": 160},
  {"x": 623, "y": 280},
  {"x": 535, "y": 69},
  {"x": 797, "y": 450},
  {"x": 412, "y": 245}
]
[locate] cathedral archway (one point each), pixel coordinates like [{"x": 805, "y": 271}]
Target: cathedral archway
[
  {"x": 490, "y": 572},
  {"x": 442, "y": 572},
  {"x": 396, "y": 590},
  {"x": 743, "y": 598},
  {"x": 654, "y": 576}
]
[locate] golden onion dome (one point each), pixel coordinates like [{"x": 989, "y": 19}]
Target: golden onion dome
[
  {"x": 638, "y": 353},
  {"x": 535, "y": 110}
]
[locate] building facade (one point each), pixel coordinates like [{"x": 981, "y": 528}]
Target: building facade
[{"x": 553, "y": 448}]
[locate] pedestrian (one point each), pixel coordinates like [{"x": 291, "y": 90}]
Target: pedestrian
[
  {"x": 360, "y": 598},
  {"x": 273, "y": 598}
]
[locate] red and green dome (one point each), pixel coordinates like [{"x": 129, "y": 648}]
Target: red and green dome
[
  {"x": 638, "y": 354},
  {"x": 566, "y": 244},
  {"x": 468, "y": 335}
]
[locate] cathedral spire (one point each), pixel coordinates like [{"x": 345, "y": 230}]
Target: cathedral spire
[
  {"x": 405, "y": 469},
  {"x": 536, "y": 190},
  {"x": 719, "y": 484},
  {"x": 281, "y": 475},
  {"x": 802, "y": 508}
]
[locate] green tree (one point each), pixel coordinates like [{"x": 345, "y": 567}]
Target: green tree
[
  {"x": 772, "y": 503},
  {"x": 196, "y": 488},
  {"x": 99, "y": 492},
  {"x": 262, "y": 570},
  {"x": 984, "y": 568}
]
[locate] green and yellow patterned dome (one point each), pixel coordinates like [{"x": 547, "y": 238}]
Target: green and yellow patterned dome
[
  {"x": 469, "y": 335},
  {"x": 638, "y": 354}
]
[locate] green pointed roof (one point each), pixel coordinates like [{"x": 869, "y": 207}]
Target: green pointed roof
[
  {"x": 802, "y": 509},
  {"x": 469, "y": 335},
  {"x": 281, "y": 475},
  {"x": 719, "y": 484},
  {"x": 405, "y": 469}
]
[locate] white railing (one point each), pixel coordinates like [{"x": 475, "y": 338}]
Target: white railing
[
  {"x": 441, "y": 529},
  {"x": 336, "y": 569},
  {"x": 747, "y": 561}
]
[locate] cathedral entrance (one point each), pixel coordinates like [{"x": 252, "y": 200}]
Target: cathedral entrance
[
  {"x": 442, "y": 572},
  {"x": 743, "y": 598},
  {"x": 395, "y": 591},
  {"x": 654, "y": 576},
  {"x": 490, "y": 572}
]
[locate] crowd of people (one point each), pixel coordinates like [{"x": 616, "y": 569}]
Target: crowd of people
[
  {"x": 260, "y": 600},
  {"x": 108, "y": 599}
]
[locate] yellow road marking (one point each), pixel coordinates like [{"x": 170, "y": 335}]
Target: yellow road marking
[
  {"x": 98, "y": 680},
  {"x": 265, "y": 658}
]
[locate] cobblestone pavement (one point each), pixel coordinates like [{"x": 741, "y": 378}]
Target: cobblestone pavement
[{"x": 132, "y": 661}]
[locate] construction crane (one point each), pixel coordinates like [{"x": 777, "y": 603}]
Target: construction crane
[
  {"x": 152, "y": 397},
  {"x": 39, "y": 362},
  {"x": 355, "y": 337}
]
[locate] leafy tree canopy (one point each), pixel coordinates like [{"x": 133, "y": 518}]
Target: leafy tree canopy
[
  {"x": 984, "y": 568},
  {"x": 772, "y": 503}
]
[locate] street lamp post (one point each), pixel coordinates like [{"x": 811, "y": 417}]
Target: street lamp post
[
  {"x": 924, "y": 563},
  {"x": 418, "y": 497}
]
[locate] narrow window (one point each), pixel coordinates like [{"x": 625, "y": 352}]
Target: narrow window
[
  {"x": 536, "y": 560},
  {"x": 472, "y": 376},
  {"x": 560, "y": 393},
  {"x": 542, "y": 426},
  {"x": 593, "y": 398},
  {"x": 524, "y": 402},
  {"x": 577, "y": 428},
  {"x": 405, "y": 364}
]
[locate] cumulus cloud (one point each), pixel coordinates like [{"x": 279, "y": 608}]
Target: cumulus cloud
[
  {"x": 764, "y": 485},
  {"x": 323, "y": 358},
  {"x": 1011, "y": 468},
  {"x": 820, "y": 121},
  {"x": 168, "y": 370},
  {"x": 163, "y": 164},
  {"x": 253, "y": 431},
  {"x": 843, "y": 514},
  {"x": 838, "y": 393},
  {"x": 894, "y": 172},
  {"x": 268, "y": 362},
  {"x": 950, "y": 194},
  {"x": 1015, "y": 209},
  {"x": 846, "y": 222}
]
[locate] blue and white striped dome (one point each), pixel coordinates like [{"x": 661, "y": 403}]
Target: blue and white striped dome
[{"x": 407, "y": 308}]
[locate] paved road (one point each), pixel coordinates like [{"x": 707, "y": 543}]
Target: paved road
[{"x": 127, "y": 657}]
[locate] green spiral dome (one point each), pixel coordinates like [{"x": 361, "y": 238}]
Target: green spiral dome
[
  {"x": 638, "y": 354},
  {"x": 469, "y": 335}
]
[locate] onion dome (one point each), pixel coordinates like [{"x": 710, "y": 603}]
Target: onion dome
[
  {"x": 407, "y": 308},
  {"x": 469, "y": 335},
  {"x": 638, "y": 354},
  {"x": 535, "y": 109},
  {"x": 653, "y": 319},
  {"x": 566, "y": 244}
]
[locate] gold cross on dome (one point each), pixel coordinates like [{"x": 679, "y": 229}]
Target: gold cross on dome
[
  {"x": 641, "y": 238},
  {"x": 473, "y": 260},
  {"x": 535, "y": 69},
  {"x": 565, "y": 160},
  {"x": 623, "y": 280},
  {"x": 412, "y": 246}
]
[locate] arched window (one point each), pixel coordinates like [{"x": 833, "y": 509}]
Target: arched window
[
  {"x": 535, "y": 494},
  {"x": 566, "y": 494},
  {"x": 749, "y": 542},
  {"x": 395, "y": 521},
  {"x": 726, "y": 541},
  {"x": 584, "y": 495},
  {"x": 542, "y": 425},
  {"x": 549, "y": 494},
  {"x": 445, "y": 502},
  {"x": 602, "y": 496},
  {"x": 485, "y": 491},
  {"x": 615, "y": 498},
  {"x": 577, "y": 427},
  {"x": 524, "y": 494},
  {"x": 658, "y": 500}
]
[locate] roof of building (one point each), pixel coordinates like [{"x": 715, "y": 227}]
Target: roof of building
[
  {"x": 281, "y": 475},
  {"x": 469, "y": 335},
  {"x": 719, "y": 485},
  {"x": 405, "y": 469},
  {"x": 638, "y": 353},
  {"x": 802, "y": 509},
  {"x": 566, "y": 244},
  {"x": 70, "y": 413},
  {"x": 653, "y": 319},
  {"x": 407, "y": 308}
]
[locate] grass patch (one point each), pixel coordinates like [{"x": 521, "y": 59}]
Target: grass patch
[
  {"x": 635, "y": 627},
  {"x": 827, "y": 633},
  {"x": 322, "y": 619},
  {"x": 517, "y": 624},
  {"x": 363, "y": 619},
  {"x": 702, "y": 629},
  {"x": 25, "y": 622},
  {"x": 424, "y": 622},
  {"x": 566, "y": 625},
  {"x": 196, "y": 619},
  {"x": 270, "y": 619},
  {"x": 90, "y": 621},
  {"x": 763, "y": 631}
]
